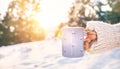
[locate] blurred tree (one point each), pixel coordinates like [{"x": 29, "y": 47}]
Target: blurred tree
[
  {"x": 115, "y": 4},
  {"x": 81, "y": 11},
  {"x": 110, "y": 16},
  {"x": 0, "y": 26},
  {"x": 19, "y": 24},
  {"x": 86, "y": 10}
]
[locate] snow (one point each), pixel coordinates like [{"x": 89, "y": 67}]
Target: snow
[{"x": 47, "y": 54}]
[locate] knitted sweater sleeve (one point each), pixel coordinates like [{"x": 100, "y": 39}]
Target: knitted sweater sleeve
[{"x": 108, "y": 36}]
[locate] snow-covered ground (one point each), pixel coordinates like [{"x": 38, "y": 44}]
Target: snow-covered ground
[{"x": 47, "y": 54}]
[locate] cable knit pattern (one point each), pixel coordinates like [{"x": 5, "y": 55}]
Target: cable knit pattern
[{"x": 108, "y": 36}]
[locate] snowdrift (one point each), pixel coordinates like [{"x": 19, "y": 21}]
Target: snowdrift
[{"x": 48, "y": 55}]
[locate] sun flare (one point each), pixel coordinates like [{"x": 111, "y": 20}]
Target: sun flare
[{"x": 53, "y": 12}]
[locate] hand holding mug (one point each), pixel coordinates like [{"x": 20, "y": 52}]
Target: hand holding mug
[{"x": 91, "y": 36}]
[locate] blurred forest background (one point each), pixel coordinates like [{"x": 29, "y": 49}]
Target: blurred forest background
[{"x": 19, "y": 25}]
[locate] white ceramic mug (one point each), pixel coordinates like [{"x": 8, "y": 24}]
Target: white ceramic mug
[{"x": 73, "y": 42}]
